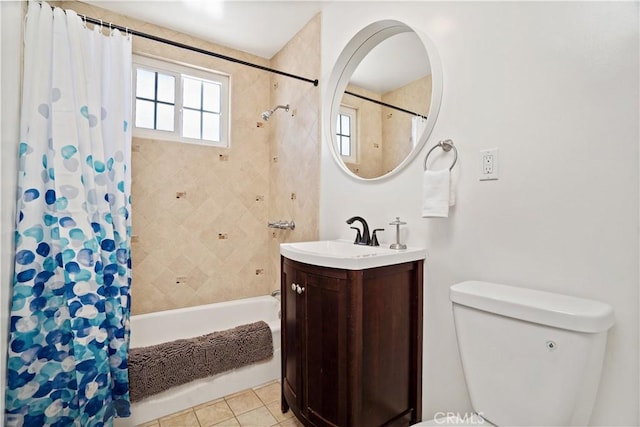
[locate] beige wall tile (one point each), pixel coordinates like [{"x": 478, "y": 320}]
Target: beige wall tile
[
  {"x": 369, "y": 162},
  {"x": 179, "y": 259},
  {"x": 396, "y": 128},
  {"x": 384, "y": 134},
  {"x": 295, "y": 142}
]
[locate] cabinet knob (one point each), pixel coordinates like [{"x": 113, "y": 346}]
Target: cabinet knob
[
  {"x": 300, "y": 290},
  {"x": 293, "y": 286}
]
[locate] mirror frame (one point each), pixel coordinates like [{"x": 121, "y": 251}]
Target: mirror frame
[{"x": 353, "y": 53}]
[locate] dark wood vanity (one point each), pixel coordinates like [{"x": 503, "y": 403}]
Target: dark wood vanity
[{"x": 352, "y": 344}]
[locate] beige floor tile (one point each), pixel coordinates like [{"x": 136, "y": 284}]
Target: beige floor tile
[
  {"x": 260, "y": 417},
  {"x": 195, "y": 408},
  {"x": 229, "y": 396},
  {"x": 180, "y": 419},
  {"x": 231, "y": 422},
  {"x": 276, "y": 411},
  {"x": 214, "y": 413},
  {"x": 154, "y": 423},
  {"x": 269, "y": 393},
  {"x": 291, "y": 422},
  {"x": 244, "y": 402}
]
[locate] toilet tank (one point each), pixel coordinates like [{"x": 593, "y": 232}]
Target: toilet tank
[{"x": 530, "y": 358}]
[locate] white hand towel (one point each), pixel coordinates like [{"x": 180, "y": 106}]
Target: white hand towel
[
  {"x": 452, "y": 190},
  {"x": 436, "y": 187}
]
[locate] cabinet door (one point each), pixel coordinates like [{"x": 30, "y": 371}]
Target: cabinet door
[
  {"x": 325, "y": 353},
  {"x": 291, "y": 339}
]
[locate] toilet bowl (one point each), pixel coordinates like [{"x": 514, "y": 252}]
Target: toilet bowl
[{"x": 530, "y": 358}]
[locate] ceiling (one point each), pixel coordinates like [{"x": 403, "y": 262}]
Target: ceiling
[
  {"x": 260, "y": 27},
  {"x": 395, "y": 62},
  {"x": 263, "y": 28}
]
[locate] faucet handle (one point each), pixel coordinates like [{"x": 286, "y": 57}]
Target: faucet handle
[
  {"x": 397, "y": 244},
  {"x": 358, "y": 236},
  {"x": 397, "y": 222},
  {"x": 374, "y": 237}
]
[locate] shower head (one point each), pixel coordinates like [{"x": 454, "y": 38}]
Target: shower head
[{"x": 268, "y": 113}]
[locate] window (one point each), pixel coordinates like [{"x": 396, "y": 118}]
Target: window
[
  {"x": 179, "y": 103},
  {"x": 346, "y": 137}
]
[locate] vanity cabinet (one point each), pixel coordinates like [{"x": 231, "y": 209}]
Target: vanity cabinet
[{"x": 352, "y": 344}]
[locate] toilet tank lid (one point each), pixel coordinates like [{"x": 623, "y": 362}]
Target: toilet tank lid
[{"x": 546, "y": 308}]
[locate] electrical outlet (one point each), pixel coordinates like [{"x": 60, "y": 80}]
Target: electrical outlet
[{"x": 489, "y": 164}]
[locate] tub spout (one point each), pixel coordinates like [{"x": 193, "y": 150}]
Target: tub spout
[{"x": 277, "y": 295}]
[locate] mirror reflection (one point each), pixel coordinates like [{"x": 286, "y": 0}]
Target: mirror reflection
[{"x": 384, "y": 108}]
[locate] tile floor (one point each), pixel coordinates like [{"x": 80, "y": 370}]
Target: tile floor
[{"x": 257, "y": 407}]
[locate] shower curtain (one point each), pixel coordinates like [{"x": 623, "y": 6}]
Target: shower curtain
[{"x": 69, "y": 331}]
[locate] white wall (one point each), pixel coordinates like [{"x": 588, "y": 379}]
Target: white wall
[
  {"x": 555, "y": 87},
  {"x": 11, "y": 17}
]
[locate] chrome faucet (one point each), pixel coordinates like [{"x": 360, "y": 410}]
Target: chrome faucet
[{"x": 364, "y": 238}]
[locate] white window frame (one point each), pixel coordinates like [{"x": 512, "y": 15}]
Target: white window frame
[
  {"x": 179, "y": 71},
  {"x": 346, "y": 110}
]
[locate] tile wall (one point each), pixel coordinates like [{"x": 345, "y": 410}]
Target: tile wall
[
  {"x": 384, "y": 134},
  {"x": 369, "y": 132},
  {"x": 212, "y": 244},
  {"x": 396, "y": 128},
  {"x": 294, "y": 171}
]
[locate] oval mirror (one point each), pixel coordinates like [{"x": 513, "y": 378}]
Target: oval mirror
[{"x": 384, "y": 95}]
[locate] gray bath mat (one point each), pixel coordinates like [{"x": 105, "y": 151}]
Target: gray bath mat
[{"x": 159, "y": 367}]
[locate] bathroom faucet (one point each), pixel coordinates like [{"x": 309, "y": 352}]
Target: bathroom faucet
[{"x": 364, "y": 238}]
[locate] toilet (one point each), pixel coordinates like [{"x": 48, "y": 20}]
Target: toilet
[{"x": 530, "y": 358}]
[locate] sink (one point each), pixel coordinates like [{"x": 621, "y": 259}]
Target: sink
[{"x": 344, "y": 254}]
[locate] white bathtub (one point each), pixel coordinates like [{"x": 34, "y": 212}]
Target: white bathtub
[{"x": 156, "y": 328}]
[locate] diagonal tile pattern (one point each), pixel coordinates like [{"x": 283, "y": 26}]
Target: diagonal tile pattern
[{"x": 212, "y": 244}]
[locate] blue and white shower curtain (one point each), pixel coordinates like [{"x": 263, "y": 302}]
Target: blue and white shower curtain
[{"x": 69, "y": 332}]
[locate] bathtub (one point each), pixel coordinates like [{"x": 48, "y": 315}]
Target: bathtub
[{"x": 155, "y": 328}]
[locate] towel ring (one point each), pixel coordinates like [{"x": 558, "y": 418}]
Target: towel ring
[{"x": 446, "y": 145}]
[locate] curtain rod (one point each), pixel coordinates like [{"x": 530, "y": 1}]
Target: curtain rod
[
  {"x": 194, "y": 49},
  {"x": 384, "y": 104}
]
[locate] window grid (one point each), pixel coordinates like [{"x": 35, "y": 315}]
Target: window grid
[
  {"x": 155, "y": 99},
  {"x": 202, "y": 110},
  {"x": 160, "y": 111},
  {"x": 344, "y": 134}
]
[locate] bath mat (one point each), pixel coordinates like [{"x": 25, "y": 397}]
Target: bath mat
[{"x": 159, "y": 367}]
